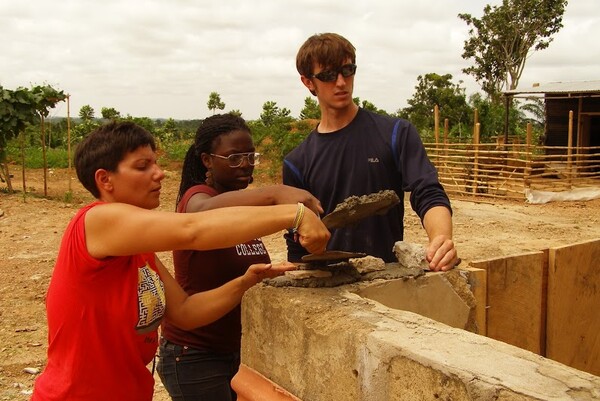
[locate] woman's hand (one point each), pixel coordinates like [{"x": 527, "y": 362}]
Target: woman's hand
[
  {"x": 312, "y": 233},
  {"x": 257, "y": 272}
]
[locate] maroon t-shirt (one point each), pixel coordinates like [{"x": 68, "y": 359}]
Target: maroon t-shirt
[{"x": 198, "y": 271}]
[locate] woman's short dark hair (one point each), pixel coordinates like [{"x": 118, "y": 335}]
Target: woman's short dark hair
[{"x": 105, "y": 147}]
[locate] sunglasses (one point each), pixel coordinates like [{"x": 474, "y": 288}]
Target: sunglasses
[
  {"x": 347, "y": 70},
  {"x": 236, "y": 159}
]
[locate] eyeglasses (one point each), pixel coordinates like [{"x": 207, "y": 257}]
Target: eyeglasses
[
  {"x": 347, "y": 70},
  {"x": 236, "y": 159}
]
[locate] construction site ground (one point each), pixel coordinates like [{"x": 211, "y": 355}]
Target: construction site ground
[{"x": 31, "y": 228}]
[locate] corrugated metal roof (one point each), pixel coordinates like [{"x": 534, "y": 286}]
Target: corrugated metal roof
[{"x": 560, "y": 87}]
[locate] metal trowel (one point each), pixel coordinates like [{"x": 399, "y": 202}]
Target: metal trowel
[{"x": 348, "y": 213}]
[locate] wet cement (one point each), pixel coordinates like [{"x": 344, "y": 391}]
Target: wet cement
[
  {"x": 356, "y": 208},
  {"x": 344, "y": 273}
]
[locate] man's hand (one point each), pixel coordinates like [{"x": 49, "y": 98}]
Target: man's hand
[{"x": 441, "y": 254}]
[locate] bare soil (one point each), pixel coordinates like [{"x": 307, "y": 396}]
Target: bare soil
[{"x": 31, "y": 228}]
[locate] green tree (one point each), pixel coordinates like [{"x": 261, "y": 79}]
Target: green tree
[
  {"x": 214, "y": 102},
  {"x": 145, "y": 122},
  {"x": 534, "y": 108},
  {"x": 311, "y": 110},
  {"x": 272, "y": 114},
  {"x": 275, "y": 134},
  {"x": 500, "y": 42},
  {"x": 82, "y": 129},
  {"x": 236, "y": 112},
  {"x": 20, "y": 108},
  {"x": 434, "y": 89},
  {"x": 169, "y": 130},
  {"x": 110, "y": 113},
  {"x": 86, "y": 113},
  {"x": 492, "y": 118}
]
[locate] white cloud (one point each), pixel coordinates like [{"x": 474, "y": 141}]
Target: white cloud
[{"x": 162, "y": 59}]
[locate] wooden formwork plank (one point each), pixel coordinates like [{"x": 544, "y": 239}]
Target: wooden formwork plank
[
  {"x": 573, "y": 327},
  {"x": 516, "y": 308}
]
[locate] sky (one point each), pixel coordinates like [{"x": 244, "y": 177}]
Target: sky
[{"x": 162, "y": 59}]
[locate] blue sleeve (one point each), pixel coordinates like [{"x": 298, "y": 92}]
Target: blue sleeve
[{"x": 419, "y": 175}]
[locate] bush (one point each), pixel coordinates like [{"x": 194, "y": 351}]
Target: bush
[
  {"x": 176, "y": 150},
  {"x": 34, "y": 158}
]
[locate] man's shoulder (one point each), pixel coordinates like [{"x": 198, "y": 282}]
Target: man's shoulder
[{"x": 382, "y": 120}]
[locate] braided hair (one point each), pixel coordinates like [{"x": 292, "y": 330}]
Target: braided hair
[{"x": 207, "y": 138}]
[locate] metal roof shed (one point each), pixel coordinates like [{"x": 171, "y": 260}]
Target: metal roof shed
[{"x": 581, "y": 97}]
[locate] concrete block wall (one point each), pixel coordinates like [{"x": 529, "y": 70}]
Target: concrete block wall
[{"x": 334, "y": 344}]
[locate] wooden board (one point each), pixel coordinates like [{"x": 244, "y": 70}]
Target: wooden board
[
  {"x": 573, "y": 334},
  {"x": 516, "y": 304}
]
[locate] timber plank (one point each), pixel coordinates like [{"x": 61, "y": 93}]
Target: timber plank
[
  {"x": 573, "y": 327},
  {"x": 516, "y": 309}
]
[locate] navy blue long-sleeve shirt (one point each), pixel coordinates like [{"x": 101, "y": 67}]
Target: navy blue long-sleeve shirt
[{"x": 371, "y": 154}]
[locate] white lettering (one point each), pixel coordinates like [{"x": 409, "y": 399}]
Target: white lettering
[{"x": 250, "y": 250}]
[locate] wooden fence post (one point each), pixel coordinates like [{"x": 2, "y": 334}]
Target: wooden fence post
[
  {"x": 69, "y": 139},
  {"x": 570, "y": 149},
  {"x": 436, "y": 123},
  {"x": 436, "y": 133},
  {"x": 476, "y": 158},
  {"x": 44, "y": 158},
  {"x": 446, "y": 133},
  {"x": 528, "y": 158},
  {"x": 446, "y": 130}
]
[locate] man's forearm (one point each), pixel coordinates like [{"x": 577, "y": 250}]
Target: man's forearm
[{"x": 438, "y": 221}]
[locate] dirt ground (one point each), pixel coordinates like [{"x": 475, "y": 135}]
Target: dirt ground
[{"x": 31, "y": 229}]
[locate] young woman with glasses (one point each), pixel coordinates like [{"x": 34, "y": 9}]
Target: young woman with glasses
[{"x": 218, "y": 167}]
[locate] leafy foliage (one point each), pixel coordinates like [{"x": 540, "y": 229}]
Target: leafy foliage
[
  {"x": 535, "y": 112},
  {"x": 492, "y": 118},
  {"x": 110, "y": 113},
  {"x": 434, "y": 89},
  {"x": 83, "y": 129},
  {"x": 500, "y": 41},
  {"x": 20, "y": 108},
  {"x": 274, "y": 134},
  {"x": 311, "y": 110},
  {"x": 272, "y": 114},
  {"x": 86, "y": 113},
  {"x": 214, "y": 102},
  {"x": 55, "y": 157}
]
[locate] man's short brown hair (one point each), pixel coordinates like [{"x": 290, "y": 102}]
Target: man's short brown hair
[{"x": 329, "y": 50}]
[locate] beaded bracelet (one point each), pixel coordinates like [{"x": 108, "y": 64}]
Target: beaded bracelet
[{"x": 298, "y": 218}]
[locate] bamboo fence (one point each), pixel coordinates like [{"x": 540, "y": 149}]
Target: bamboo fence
[{"x": 508, "y": 170}]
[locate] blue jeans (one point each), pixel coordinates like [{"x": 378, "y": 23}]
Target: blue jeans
[{"x": 190, "y": 374}]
